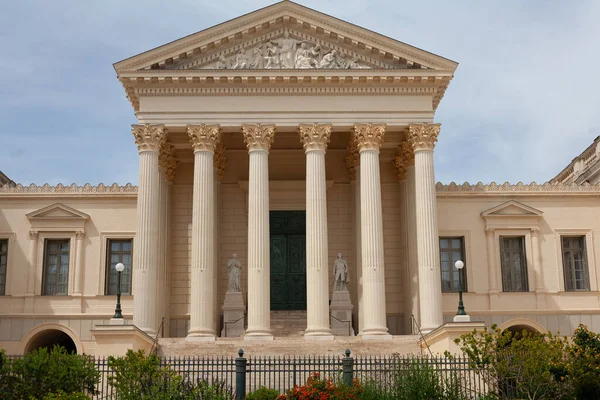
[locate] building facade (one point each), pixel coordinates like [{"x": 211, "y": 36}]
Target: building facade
[{"x": 287, "y": 136}]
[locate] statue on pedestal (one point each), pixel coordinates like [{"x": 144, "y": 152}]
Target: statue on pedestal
[
  {"x": 341, "y": 278},
  {"x": 234, "y": 268}
]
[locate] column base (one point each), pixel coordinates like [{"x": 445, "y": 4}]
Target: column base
[
  {"x": 265, "y": 335},
  {"x": 200, "y": 338},
  {"x": 318, "y": 335}
]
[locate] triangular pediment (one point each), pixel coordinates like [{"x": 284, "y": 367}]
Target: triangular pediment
[
  {"x": 57, "y": 211},
  {"x": 512, "y": 209},
  {"x": 285, "y": 35}
]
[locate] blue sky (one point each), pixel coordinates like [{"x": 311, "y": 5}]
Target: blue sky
[{"x": 525, "y": 99}]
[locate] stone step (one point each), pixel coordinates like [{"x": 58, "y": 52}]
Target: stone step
[{"x": 288, "y": 323}]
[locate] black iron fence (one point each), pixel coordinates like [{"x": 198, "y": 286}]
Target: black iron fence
[{"x": 245, "y": 374}]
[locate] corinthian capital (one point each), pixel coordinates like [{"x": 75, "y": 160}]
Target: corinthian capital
[
  {"x": 204, "y": 137},
  {"x": 423, "y": 136},
  {"x": 407, "y": 153},
  {"x": 149, "y": 137},
  {"x": 220, "y": 160},
  {"x": 315, "y": 136},
  {"x": 369, "y": 136},
  {"x": 258, "y": 137},
  {"x": 165, "y": 155},
  {"x": 401, "y": 167},
  {"x": 353, "y": 158}
]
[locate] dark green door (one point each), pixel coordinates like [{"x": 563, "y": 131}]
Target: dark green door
[{"x": 288, "y": 260}]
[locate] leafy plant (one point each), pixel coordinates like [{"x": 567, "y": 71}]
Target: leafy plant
[
  {"x": 519, "y": 365},
  {"x": 263, "y": 393},
  {"x": 316, "y": 388},
  {"x": 585, "y": 363},
  {"x": 66, "y": 396},
  {"x": 42, "y": 372}
]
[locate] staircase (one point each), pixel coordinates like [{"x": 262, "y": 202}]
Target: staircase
[{"x": 288, "y": 323}]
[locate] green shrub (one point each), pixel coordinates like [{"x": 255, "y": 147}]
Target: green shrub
[
  {"x": 519, "y": 365},
  {"x": 584, "y": 368},
  {"x": 65, "y": 396},
  {"x": 140, "y": 377},
  {"x": 263, "y": 394},
  {"x": 42, "y": 372},
  {"x": 316, "y": 388}
]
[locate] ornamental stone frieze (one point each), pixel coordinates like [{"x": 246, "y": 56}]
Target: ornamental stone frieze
[
  {"x": 220, "y": 161},
  {"x": 315, "y": 136},
  {"x": 258, "y": 137},
  {"x": 369, "y": 136},
  {"x": 423, "y": 136},
  {"x": 204, "y": 137},
  {"x": 149, "y": 137}
]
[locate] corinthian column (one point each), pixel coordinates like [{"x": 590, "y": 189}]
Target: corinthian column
[
  {"x": 422, "y": 137},
  {"x": 315, "y": 139},
  {"x": 369, "y": 138},
  {"x": 204, "y": 139},
  {"x": 258, "y": 139},
  {"x": 149, "y": 139}
]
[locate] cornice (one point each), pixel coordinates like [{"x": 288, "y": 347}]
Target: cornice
[
  {"x": 59, "y": 190},
  {"x": 518, "y": 189}
]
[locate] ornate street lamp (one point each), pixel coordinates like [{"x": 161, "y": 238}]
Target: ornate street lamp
[
  {"x": 461, "y": 315},
  {"x": 120, "y": 268}
]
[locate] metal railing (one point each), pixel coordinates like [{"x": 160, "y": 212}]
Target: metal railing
[{"x": 241, "y": 374}]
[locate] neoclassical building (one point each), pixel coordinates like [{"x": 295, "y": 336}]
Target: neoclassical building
[{"x": 288, "y": 137}]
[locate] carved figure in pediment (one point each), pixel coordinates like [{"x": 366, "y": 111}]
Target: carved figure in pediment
[
  {"x": 330, "y": 60},
  {"x": 241, "y": 60},
  {"x": 234, "y": 269},
  {"x": 353, "y": 64},
  {"x": 287, "y": 50},
  {"x": 306, "y": 56},
  {"x": 272, "y": 57},
  {"x": 341, "y": 278},
  {"x": 258, "y": 57},
  {"x": 222, "y": 63}
]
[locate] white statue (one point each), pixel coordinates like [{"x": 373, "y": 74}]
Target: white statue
[
  {"x": 258, "y": 57},
  {"x": 329, "y": 60},
  {"x": 287, "y": 50},
  {"x": 341, "y": 277},
  {"x": 234, "y": 267},
  {"x": 222, "y": 63},
  {"x": 305, "y": 56},
  {"x": 272, "y": 57},
  {"x": 241, "y": 61}
]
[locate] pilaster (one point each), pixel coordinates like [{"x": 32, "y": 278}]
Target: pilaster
[
  {"x": 400, "y": 163},
  {"x": 78, "y": 273},
  {"x": 258, "y": 139},
  {"x": 315, "y": 138}
]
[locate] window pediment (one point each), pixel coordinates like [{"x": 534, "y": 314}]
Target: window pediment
[
  {"x": 512, "y": 215},
  {"x": 57, "y": 217}
]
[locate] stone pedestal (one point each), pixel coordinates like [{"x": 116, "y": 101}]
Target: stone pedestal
[
  {"x": 233, "y": 315},
  {"x": 442, "y": 339},
  {"x": 115, "y": 340},
  {"x": 341, "y": 314}
]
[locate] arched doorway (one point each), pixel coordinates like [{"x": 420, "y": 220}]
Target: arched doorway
[{"x": 49, "y": 338}]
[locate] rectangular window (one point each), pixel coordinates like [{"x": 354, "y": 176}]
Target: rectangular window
[
  {"x": 3, "y": 265},
  {"x": 575, "y": 263},
  {"x": 452, "y": 250},
  {"x": 118, "y": 251},
  {"x": 514, "y": 264},
  {"x": 56, "y": 267}
]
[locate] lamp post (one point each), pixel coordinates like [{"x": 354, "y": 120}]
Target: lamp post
[
  {"x": 119, "y": 267},
  {"x": 461, "y": 307}
]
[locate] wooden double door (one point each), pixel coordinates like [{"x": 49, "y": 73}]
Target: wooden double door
[{"x": 288, "y": 260}]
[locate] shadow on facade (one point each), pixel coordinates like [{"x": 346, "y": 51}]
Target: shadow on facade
[{"x": 49, "y": 338}]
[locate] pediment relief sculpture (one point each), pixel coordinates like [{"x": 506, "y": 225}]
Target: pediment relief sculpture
[{"x": 284, "y": 51}]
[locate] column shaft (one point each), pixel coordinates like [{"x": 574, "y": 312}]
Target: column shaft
[
  {"x": 258, "y": 139},
  {"x": 413, "y": 263},
  {"x": 315, "y": 138},
  {"x": 372, "y": 245},
  {"x": 202, "y": 322},
  {"x": 162, "y": 250},
  {"x": 423, "y": 138},
  {"x": 537, "y": 260},
  {"x": 145, "y": 251}
]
